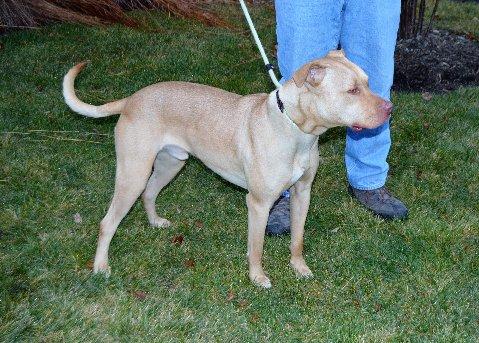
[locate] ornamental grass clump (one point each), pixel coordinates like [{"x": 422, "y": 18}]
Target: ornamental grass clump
[{"x": 32, "y": 13}]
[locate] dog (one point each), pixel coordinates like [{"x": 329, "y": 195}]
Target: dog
[{"x": 265, "y": 143}]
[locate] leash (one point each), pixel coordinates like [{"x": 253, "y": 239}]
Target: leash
[{"x": 269, "y": 66}]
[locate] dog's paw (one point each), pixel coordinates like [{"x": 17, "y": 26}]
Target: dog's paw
[
  {"x": 160, "y": 222},
  {"x": 102, "y": 268},
  {"x": 261, "y": 280},
  {"x": 301, "y": 269}
]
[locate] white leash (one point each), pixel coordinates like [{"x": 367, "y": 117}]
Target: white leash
[{"x": 268, "y": 65}]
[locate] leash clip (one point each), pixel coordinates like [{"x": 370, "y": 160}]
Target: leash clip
[{"x": 268, "y": 65}]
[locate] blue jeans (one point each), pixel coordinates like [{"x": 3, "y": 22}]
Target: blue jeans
[{"x": 366, "y": 30}]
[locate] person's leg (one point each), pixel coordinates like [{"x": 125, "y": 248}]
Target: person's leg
[
  {"x": 306, "y": 30},
  {"x": 368, "y": 37}
]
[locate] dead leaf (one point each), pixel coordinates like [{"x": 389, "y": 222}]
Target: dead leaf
[
  {"x": 177, "y": 240},
  {"x": 230, "y": 296},
  {"x": 356, "y": 303},
  {"x": 199, "y": 224},
  {"x": 77, "y": 218},
  {"x": 418, "y": 175},
  {"x": 426, "y": 96},
  {"x": 139, "y": 295},
  {"x": 243, "y": 304},
  {"x": 471, "y": 36},
  {"x": 426, "y": 125},
  {"x": 89, "y": 265},
  {"x": 254, "y": 317},
  {"x": 377, "y": 307},
  {"x": 189, "y": 263}
]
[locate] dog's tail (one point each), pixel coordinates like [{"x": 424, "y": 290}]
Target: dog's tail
[{"x": 115, "y": 107}]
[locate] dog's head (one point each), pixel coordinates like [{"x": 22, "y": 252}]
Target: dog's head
[{"x": 333, "y": 91}]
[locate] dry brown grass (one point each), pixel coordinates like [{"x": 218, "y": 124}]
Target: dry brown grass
[{"x": 32, "y": 13}]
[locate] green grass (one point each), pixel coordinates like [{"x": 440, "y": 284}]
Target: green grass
[
  {"x": 461, "y": 18},
  {"x": 416, "y": 280}
]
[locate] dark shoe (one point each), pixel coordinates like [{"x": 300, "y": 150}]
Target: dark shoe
[
  {"x": 380, "y": 202},
  {"x": 278, "y": 221}
]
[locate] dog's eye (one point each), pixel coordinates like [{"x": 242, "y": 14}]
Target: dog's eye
[{"x": 354, "y": 90}]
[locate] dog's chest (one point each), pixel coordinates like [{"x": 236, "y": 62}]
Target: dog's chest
[{"x": 301, "y": 162}]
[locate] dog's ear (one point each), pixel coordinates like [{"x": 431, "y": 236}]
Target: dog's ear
[
  {"x": 311, "y": 73},
  {"x": 336, "y": 53}
]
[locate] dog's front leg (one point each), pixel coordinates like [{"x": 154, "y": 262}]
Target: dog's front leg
[
  {"x": 258, "y": 210},
  {"x": 300, "y": 198}
]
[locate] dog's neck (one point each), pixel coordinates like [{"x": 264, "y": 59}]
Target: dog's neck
[{"x": 285, "y": 102}]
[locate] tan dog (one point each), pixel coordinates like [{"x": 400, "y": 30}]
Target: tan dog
[{"x": 250, "y": 141}]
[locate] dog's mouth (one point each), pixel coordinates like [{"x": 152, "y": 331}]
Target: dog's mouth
[{"x": 358, "y": 128}]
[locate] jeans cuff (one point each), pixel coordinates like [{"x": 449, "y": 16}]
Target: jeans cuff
[{"x": 368, "y": 187}]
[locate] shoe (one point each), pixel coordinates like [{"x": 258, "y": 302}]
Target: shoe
[
  {"x": 278, "y": 220},
  {"x": 381, "y": 202}
]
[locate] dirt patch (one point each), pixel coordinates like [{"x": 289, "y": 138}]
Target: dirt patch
[{"x": 442, "y": 61}]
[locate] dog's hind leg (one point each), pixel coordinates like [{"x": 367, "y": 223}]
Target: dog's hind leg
[
  {"x": 133, "y": 168},
  {"x": 168, "y": 163}
]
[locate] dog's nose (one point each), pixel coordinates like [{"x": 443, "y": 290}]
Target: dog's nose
[{"x": 386, "y": 107}]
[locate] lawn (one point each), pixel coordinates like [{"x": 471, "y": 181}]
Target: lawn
[{"x": 416, "y": 280}]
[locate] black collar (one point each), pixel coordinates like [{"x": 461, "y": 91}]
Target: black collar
[{"x": 279, "y": 102}]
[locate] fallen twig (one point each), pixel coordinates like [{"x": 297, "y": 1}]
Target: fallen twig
[
  {"x": 19, "y": 27},
  {"x": 67, "y": 131},
  {"x": 63, "y": 139},
  {"x": 74, "y": 139},
  {"x": 41, "y": 132}
]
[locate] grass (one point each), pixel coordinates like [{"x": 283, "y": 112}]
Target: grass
[
  {"x": 416, "y": 280},
  {"x": 462, "y": 18}
]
